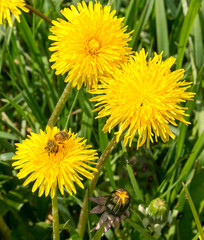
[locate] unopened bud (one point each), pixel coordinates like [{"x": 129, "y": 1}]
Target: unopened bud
[
  {"x": 158, "y": 211},
  {"x": 118, "y": 202}
]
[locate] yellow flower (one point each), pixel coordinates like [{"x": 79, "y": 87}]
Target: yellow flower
[
  {"x": 89, "y": 45},
  {"x": 11, "y": 6},
  {"x": 143, "y": 98},
  {"x": 54, "y": 164}
]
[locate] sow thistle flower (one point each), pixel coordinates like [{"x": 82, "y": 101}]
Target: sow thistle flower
[
  {"x": 90, "y": 44},
  {"x": 114, "y": 208},
  {"x": 143, "y": 98},
  {"x": 8, "y": 7},
  {"x": 54, "y": 158}
]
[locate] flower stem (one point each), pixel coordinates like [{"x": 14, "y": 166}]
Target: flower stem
[
  {"x": 39, "y": 13},
  {"x": 55, "y": 216},
  {"x": 4, "y": 230},
  {"x": 60, "y": 105},
  {"x": 84, "y": 211}
]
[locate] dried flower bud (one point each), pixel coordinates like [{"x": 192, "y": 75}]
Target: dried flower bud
[{"x": 118, "y": 202}]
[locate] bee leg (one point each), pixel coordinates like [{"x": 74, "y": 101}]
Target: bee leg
[{"x": 56, "y": 149}]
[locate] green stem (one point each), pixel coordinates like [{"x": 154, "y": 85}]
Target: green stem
[
  {"x": 4, "y": 230},
  {"x": 32, "y": 9},
  {"x": 55, "y": 216},
  {"x": 52, "y": 121},
  {"x": 194, "y": 212},
  {"x": 60, "y": 105},
  {"x": 84, "y": 210}
]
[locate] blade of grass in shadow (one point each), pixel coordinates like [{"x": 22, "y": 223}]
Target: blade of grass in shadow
[
  {"x": 99, "y": 233},
  {"x": 103, "y": 142},
  {"x": 28, "y": 97},
  {"x": 29, "y": 40},
  {"x": 20, "y": 110},
  {"x": 7, "y": 39},
  {"x": 186, "y": 28},
  {"x": 134, "y": 183},
  {"x": 196, "y": 151},
  {"x": 138, "y": 194},
  {"x": 195, "y": 215},
  {"x": 71, "y": 109},
  {"x": 130, "y": 13},
  {"x": 141, "y": 23},
  {"x": 161, "y": 28},
  {"x": 141, "y": 230},
  {"x": 190, "y": 105},
  {"x": 87, "y": 116}
]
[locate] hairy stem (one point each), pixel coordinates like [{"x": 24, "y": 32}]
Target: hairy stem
[
  {"x": 55, "y": 216},
  {"x": 32, "y": 9},
  {"x": 60, "y": 105},
  {"x": 84, "y": 211}
]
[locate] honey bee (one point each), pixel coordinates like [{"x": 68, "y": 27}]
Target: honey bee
[
  {"x": 53, "y": 144},
  {"x": 52, "y": 147},
  {"x": 60, "y": 137}
]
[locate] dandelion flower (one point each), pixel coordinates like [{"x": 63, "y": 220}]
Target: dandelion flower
[
  {"x": 143, "y": 98},
  {"x": 54, "y": 164},
  {"x": 11, "y": 6},
  {"x": 91, "y": 43},
  {"x": 114, "y": 208}
]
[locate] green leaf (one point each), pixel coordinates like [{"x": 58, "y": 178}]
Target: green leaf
[
  {"x": 134, "y": 183},
  {"x": 195, "y": 215},
  {"x": 5, "y": 135},
  {"x": 186, "y": 28},
  {"x": 138, "y": 26},
  {"x": 103, "y": 141},
  {"x": 99, "y": 233},
  {"x": 140, "y": 229},
  {"x": 196, "y": 151},
  {"x": 161, "y": 28}
]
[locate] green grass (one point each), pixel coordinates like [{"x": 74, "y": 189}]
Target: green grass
[{"x": 29, "y": 91}]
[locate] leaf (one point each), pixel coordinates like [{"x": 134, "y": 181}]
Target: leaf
[
  {"x": 99, "y": 233},
  {"x": 134, "y": 183},
  {"x": 5, "y": 135},
  {"x": 186, "y": 28},
  {"x": 161, "y": 28},
  {"x": 195, "y": 215}
]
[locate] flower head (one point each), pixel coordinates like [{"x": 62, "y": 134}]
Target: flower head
[
  {"x": 89, "y": 45},
  {"x": 11, "y": 6},
  {"x": 54, "y": 158},
  {"x": 114, "y": 208},
  {"x": 143, "y": 98}
]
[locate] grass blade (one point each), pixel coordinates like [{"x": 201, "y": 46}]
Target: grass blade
[
  {"x": 186, "y": 28},
  {"x": 195, "y": 215},
  {"x": 161, "y": 28}
]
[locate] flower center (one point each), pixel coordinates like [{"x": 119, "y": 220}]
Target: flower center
[{"x": 93, "y": 46}]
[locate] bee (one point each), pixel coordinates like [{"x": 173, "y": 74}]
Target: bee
[
  {"x": 53, "y": 144},
  {"x": 60, "y": 137}
]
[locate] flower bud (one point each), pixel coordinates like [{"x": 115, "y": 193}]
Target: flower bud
[
  {"x": 158, "y": 211},
  {"x": 118, "y": 202}
]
